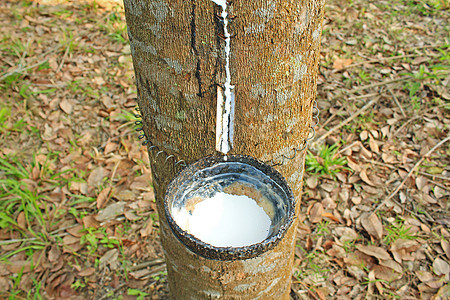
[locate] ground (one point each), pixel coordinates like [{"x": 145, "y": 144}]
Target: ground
[{"x": 77, "y": 212}]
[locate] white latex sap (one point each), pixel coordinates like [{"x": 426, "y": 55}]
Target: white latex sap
[
  {"x": 225, "y": 117},
  {"x": 226, "y": 220}
]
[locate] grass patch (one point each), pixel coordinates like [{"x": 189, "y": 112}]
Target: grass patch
[
  {"x": 398, "y": 230},
  {"x": 326, "y": 162},
  {"x": 25, "y": 207}
]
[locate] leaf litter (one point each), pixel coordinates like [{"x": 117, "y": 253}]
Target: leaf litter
[{"x": 68, "y": 146}]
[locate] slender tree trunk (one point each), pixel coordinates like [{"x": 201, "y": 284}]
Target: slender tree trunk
[{"x": 179, "y": 58}]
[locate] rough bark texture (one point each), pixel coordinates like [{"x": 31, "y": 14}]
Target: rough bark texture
[{"x": 179, "y": 60}]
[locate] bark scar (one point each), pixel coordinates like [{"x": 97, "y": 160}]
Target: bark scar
[{"x": 194, "y": 48}]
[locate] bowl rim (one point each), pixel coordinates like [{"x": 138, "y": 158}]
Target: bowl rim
[{"x": 229, "y": 253}]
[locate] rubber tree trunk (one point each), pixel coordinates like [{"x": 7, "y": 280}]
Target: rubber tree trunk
[{"x": 179, "y": 60}]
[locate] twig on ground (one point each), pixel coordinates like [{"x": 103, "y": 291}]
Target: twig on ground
[
  {"x": 365, "y": 87},
  {"x": 346, "y": 121},
  {"x": 348, "y": 147},
  {"x": 379, "y": 163},
  {"x": 376, "y": 61},
  {"x": 62, "y": 60},
  {"x": 435, "y": 176},
  {"x": 363, "y": 96},
  {"x": 21, "y": 68},
  {"x": 307, "y": 289},
  {"x": 415, "y": 118},
  {"x": 108, "y": 295},
  {"x": 404, "y": 125},
  {"x": 439, "y": 185},
  {"x": 395, "y": 191},
  {"x": 342, "y": 109},
  {"x": 156, "y": 271},
  {"x": 146, "y": 264},
  {"x": 419, "y": 216},
  {"x": 53, "y": 233},
  {"x": 333, "y": 115},
  {"x": 397, "y": 102}
]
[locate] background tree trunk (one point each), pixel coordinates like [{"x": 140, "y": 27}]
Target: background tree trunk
[{"x": 179, "y": 60}]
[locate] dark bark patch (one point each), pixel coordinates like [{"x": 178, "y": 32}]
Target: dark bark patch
[{"x": 194, "y": 49}]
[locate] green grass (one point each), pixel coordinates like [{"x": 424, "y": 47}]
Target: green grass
[
  {"x": 79, "y": 284},
  {"x": 397, "y": 230},
  {"x": 67, "y": 41},
  {"x": 326, "y": 162},
  {"x": 18, "y": 195},
  {"x": 140, "y": 295},
  {"x": 24, "y": 207},
  {"x": 322, "y": 228},
  {"x": 313, "y": 264},
  {"x": 364, "y": 77},
  {"x": 96, "y": 237},
  {"x": 115, "y": 27},
  {"x": 81, "y": 89}
]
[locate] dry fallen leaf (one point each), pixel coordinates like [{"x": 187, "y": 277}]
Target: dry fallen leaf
[
  {"x": 90, "y": 222},
  {"x": 54, "y": 254},
  {"x": 108, "y": 102},
  {"x": 87, "y": 272},
  {"x": 439, "y": 192},
  {"x": 315, "y": 215},
  {"x": 402, "y": 255},
  {"x": 408, "y": 245},
  {"x": 110, "y": 147},
  {"x": 76, "y": 231},
  {"x": 364, "y": 152},
  {"x": 66, "y": 106},
  {"x": 340, "y": 63},
  {"x": 403, "y": 249},
  {"x": 440, "y": 267},
  {"x": 312, "y": 182},
  {"x": 149, "y": 196},
  {"x": 76, "y": 186},
  {"x": 356, "y": 200},
  {"x": 424, "y": 276},
  {"x": 346, "y": 234},
  {"x": 435, "y": 284},
  {"x": 142, "y": 182},
  {"x": 130, "y": 215},
  {"x": 21, "y": 221},
  {"x": 373, "y": 145},
  {"x": 446, "y": 247},
  {"x": 386, "y": 273},
  {"x": 68, "y": 240},
  {"x": 390, "y": 263},
  {"x": 330, "y": 216},
  {"x": 370, "y": 287},
  {"x": 5, "y": 283},
  {"x": 364, "y": 135},
  {"x": 351, "y": 162},
  {"x": 96, "y": 177},
  {"x": 111, "y": 211},
  {"x": 372, "y": 225},
  {"x": 148, "y": 228},
  {"x": 103, "y": 197},
  {"x": 443, "y": 293},
  {"x": 374, "y": 251},
  {"x": 125, "y": 195},
  {"x": 365, "y": 178},
  {"x": 421, "y": 182},
  {"x": 19, "y": 266},
  {"x": 356, "y": 271},
  {"x": 109, "y": 258}
]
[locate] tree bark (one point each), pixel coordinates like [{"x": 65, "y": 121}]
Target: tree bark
[{"x": 179, "y": 60}]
